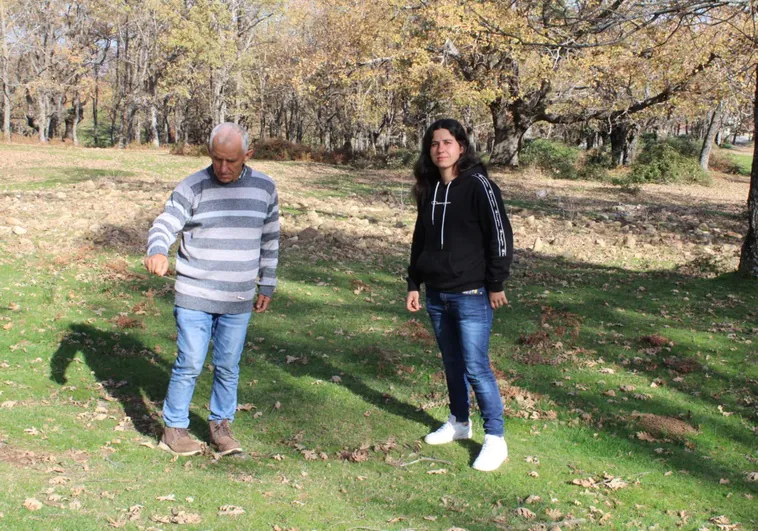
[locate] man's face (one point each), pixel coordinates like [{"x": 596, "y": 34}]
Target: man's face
[{"x": 228, "y": 158}]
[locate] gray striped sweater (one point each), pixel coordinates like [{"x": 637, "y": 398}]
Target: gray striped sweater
[{"x": 230, "y": 240}]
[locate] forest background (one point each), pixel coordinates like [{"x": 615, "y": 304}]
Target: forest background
[{"x": 343, "y": 79}]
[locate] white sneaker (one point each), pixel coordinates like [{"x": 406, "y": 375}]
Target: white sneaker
[
  {"x": 450, "y": 431},
  {"x": 494, "y": 453}
]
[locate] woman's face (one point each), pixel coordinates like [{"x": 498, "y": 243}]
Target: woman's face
[{"x": 445, "y": 150}]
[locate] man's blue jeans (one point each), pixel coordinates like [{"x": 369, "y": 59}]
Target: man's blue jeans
[
  {"x": 462, "y": 323},
  {"x": 195, "y": 329}
]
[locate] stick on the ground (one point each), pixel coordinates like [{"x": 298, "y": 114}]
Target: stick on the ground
[{"x": 426, "y": 459}]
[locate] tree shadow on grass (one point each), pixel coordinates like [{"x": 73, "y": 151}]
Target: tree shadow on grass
[
  {"x": 617, "y": 310},
  {"x": 128, "y": 370},
  {"x": 311, "y": 349}
]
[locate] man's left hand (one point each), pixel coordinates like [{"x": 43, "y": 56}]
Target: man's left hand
[
  {"x": 261, "y": 304},
  {"x": 498, "y": 299}
]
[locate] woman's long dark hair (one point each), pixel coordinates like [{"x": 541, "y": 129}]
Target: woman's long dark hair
[{"x": 426, "y": 173}]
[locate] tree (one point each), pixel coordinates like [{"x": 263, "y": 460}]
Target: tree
[{"x": 536, "y": 60}]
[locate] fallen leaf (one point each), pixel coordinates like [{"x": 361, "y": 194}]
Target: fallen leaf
[
  {"x": 33, "y": 504},
  {"x": 437, "y": 471},
  {"x": 586, "y": 483},
  {"x": 245, "y": 407},
  {"x": 230, "y": 510},
  {"x": 168, "y": 497},
  {"x": 177, "y": 517},
  {"x": 615, "y": 483},
  {"x": 135, "y": 512},
  {"x": 553, "y": 514},
  {"x": 310, "y": 455},
  {"x": 644, "y": 436},
  {"x": 532, "y": 498},
  {"x": 525, "y": 513},
  {"x": 8, "y": 404},
  {"x": 752, "y": 476}
]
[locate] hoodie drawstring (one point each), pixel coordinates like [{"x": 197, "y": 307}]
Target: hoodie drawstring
[
  {"x": 434, "y": 200},
  {"x": 444, "y": 211}
]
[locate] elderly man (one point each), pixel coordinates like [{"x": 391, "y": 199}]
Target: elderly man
[{"x": 228, "y": 215}]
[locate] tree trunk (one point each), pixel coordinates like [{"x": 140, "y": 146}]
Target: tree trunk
[
  {"x": 6, "y": 77},
  {"x": 6, "y": 112},
  {"x": 137, "y": 136},
  {"x": 510, "y": 127},
  {"x": 94, "y": 107},
  {"x": 68, "y": 124},
  {"x": 42, "y": 116},
  {"x": 749, "y": 254},
  {"x": 623, "y": 135},
  {"x": 705, "y": 152},
  {"x": 78, "y": 107},
  {"x": 56, "y": 117},
  {"x": 154, "y": 125}
]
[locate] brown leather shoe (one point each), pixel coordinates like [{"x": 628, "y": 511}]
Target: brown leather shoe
[
  {"x": 222, "y": 439},
  {"x": 178, "y": 442}
]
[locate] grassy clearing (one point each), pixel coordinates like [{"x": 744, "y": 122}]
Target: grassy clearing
[
  {"x": 744, "y": 160},
  {"x": 339, "y": 383}
]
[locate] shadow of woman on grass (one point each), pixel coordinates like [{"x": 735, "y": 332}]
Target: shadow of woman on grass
[{"x": 128, "y": 371}]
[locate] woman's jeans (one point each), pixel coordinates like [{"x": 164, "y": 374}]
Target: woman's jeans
[
  {"x": 195, "y": 329},
  {"x": 462, "y": 323}
]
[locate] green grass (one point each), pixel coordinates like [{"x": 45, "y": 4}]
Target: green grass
[
  {"x": 70, "y": 374},
  {"x": 744, "y": 161}
]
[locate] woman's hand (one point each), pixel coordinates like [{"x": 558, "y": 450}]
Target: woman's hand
[
  {"x": 498, "y": 299},
  {"x": 411, "y": 302}
]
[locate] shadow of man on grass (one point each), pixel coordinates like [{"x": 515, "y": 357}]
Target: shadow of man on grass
[{"x": 127, "y": 370}]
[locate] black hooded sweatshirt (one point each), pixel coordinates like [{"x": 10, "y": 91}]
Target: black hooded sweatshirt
[{"x": 462, "y": 239}]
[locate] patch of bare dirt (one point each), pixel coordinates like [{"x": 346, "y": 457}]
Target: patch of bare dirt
[
  {"x": 24, "y": 458},
  {"x": 682, "y": 365},
  {"x": 662, "y": 226},
  {"x": 663, "y": 426}
]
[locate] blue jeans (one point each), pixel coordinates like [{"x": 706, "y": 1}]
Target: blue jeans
[
  {"x": 195, "y": 329},
  {"x": 462, "y": 323}
]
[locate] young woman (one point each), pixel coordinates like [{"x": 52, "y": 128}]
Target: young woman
[{"x": 462, "y": 250}]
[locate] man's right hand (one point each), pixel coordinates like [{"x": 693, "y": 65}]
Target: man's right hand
[
  {"x": 157, "y": 264},
  {"x": 411, "y": 302}
]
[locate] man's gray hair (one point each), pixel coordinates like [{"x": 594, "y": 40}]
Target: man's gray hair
[{"x": 226, "y": 127}]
